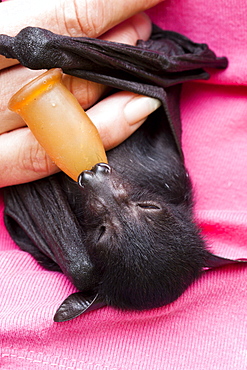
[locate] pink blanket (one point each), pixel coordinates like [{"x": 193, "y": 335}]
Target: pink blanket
[{"x": 206, "y": 328}]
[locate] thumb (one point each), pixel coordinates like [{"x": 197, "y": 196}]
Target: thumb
[{"x": 74, "y": 17}]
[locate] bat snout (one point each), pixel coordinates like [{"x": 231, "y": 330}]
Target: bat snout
[
  {"x": 102, "y": 168},
  {"x": 97, "y": 174}
]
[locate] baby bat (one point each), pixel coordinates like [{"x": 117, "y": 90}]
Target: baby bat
[{"x": 124, "y": 234}]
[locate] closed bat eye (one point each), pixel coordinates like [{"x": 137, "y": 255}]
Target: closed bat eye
[
  {"x": 148, "y": 206},
  {"x": 101, "y": 232}
]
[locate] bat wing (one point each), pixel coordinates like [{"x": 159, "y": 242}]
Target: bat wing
[
  {"x": 149, "y": 68},
  {"x": 40, "y": 220}
]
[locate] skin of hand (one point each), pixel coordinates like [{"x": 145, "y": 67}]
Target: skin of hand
[{"x": 22, "y": 159}]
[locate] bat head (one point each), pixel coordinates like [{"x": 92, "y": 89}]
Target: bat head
[{"x": 146, "y": 252}]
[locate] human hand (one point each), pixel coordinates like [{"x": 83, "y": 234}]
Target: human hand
[{"x": 21, "y": 157}]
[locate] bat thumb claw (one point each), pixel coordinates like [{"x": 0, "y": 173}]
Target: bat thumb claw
[
  {"x": 76, "y": 304},
  {"x": 214, "y": 261}
]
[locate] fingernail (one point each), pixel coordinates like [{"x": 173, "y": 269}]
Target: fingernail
[{"x": 139, "y": 108}]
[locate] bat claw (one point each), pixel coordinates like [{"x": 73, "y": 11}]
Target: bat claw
[{"x": 76, "y": 304}]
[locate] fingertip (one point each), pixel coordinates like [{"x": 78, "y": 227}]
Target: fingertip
[
  {"x": 139, "y": 107},
  {"x": 22, "y": 158},
  {"x": 129, "y": 31},
  {"x": 142, "y": 25},
  {"x": 119, "y": 115}
]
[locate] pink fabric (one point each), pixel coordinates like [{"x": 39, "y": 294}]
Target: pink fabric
[{"x": 206, "y": 328}]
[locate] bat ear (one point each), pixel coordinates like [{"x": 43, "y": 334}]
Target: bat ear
[
  {"x": 214, "y": 261},
  {"x": 76, "y": 304}
]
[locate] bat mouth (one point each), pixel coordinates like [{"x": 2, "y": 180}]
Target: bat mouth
[{"x": 98, "y": 173}]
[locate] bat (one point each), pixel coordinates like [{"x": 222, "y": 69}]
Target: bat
[{"x": 124, "y": 233}]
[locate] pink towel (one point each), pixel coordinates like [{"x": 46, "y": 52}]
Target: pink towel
[{"x": 206, "y": 328}]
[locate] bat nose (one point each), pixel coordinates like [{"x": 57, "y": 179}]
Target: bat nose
[
  {"x": 103, "y": 168},
  {"x": 85, "y": 177},
  {"x": 96, "y": 173}
]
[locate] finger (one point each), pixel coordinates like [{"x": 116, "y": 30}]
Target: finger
[
  {"x": 5, "y": 63},
  {"x": 94, "y": 17},
  {"x": 86, "y": 92},
  {"x": 90, "y": 18},
  {"x": 119, "y": 115},
  {"x": 128, "y": 32},
  {"x": 23, "y": 159},
  {"x": 11, "y": 80}
]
